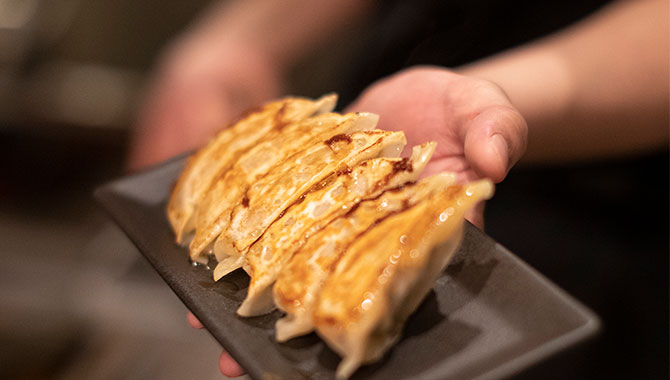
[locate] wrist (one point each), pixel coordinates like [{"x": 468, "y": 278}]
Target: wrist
[{"x": 539, "y": 84}]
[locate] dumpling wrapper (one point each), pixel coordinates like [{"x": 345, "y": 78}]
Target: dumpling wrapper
[
  {"x": 325, "y": 201},
  {"x": 266, "y": 199},
  {"x": 383, "y": 277},
  {"x": 227, "y": 191},
  {"x": 221, "y": 152},
  {"x": 298, "y": 284}
]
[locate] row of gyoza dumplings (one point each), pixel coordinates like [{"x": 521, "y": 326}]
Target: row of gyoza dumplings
[{"x": 326, "y": 218}]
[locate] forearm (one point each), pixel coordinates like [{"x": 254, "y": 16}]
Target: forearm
[
  {"x": 234, "y": 57},
  {"x": 597, "y": 89}
]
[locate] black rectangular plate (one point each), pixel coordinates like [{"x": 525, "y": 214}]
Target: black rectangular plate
[{"x": 489, "y": 316}]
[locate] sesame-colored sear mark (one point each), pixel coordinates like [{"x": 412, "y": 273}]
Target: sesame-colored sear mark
[
  {"x": 403, "y": 165},
  {"x": 337, "y": 138},
  {"x": 281, "y": 214},
  {"x": 299, "y": 200},
  {"x": 398, "y": 188},
  {"x": 381, "y": 194},
  {"x": 343, "y": 171}
]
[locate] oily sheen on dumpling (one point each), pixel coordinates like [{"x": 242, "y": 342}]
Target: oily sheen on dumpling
[
  {"x": 384, "y": 275},
  {"x": 332, "y": 225},
  {"x": 227, "y": 191},
  {"x": 222, "y": 151},
  {"x": 299, "y": 283},
  {"x": 321, "y": 204},
  {"x": 266, "y": 199}
]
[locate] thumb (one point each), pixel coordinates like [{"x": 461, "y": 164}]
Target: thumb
[{"x": 494, "y": 141}]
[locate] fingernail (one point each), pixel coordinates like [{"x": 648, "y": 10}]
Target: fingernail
[{"x": 501, "y": 149}]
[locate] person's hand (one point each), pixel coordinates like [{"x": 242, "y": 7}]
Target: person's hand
[
  {"x": 197, "y": 90},
  {"x": 479, "y": 133},
  {"x": 227, "y": 365}
]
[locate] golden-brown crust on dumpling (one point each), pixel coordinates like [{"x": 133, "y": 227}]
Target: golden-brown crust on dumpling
[
  {"x": 348, "y": 238},
  {"x": 300, "y": 280},
  {"x": 383, "y": 276},
  {"x": 214, "y": 211},
  {"x": 313, "y": 210},
  {"x": 210, "y": 162},
  {"x": 272, "y": 194}
]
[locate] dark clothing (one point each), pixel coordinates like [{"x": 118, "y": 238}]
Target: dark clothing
[
  {"x": 451, "y": 33},
  {"x": 599, "y": 230}
]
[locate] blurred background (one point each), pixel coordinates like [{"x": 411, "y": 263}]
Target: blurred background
[{"x": 79, "y": 302}]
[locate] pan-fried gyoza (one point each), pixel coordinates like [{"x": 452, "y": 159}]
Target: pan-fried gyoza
[
  {"x": 218, "y": 156},
  {"x": 312, "y": 263},
  {"x": 382, "y": 277},
  {"x": 271, "y": 195},
  {"x": 331, "y": 224},
  {"x": 227, "y": 191},
  {"x": 326, "y": 201}
]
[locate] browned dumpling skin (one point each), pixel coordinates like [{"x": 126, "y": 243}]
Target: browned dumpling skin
[
  {"x": 331, "y": 224},
  {"x": 227, "y": 191},
  {"x": 268, "y": 197},
  {"x": 276, "y": 191},
  {"x": 222, "y": 151},
  {"x": 324, "y": 202},
  {"x": 384, "y": 275},
  {"x": 300, "y": 281}
]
